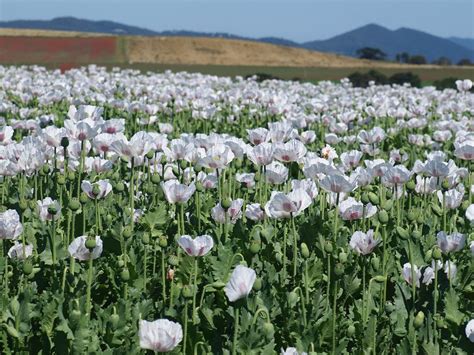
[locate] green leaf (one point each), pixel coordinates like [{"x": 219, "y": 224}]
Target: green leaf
[{"x": 453, "y": 314}]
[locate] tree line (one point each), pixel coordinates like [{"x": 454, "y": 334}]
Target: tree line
[{"x": 404, "y": 57}]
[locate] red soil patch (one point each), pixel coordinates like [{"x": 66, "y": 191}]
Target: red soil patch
[{"x": 41, "y": 50}]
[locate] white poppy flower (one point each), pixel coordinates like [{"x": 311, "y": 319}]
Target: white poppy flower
[
  {"x": 198, "y": 246},
  {"x": 161, "y": 335},
  {"x": 78, "y": 250},
  {"x": 240, "y": 283}
]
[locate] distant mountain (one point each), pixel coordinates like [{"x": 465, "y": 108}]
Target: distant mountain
[
  {"x": 392, "y": 42},
  {"x": 78, "y": 25},
  {"x": 465, "y": 42}
]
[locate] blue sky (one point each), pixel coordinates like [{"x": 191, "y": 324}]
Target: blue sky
[{"x": 300, "y": 20}]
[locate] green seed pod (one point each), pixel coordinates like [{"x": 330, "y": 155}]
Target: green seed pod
[
  {"x": 267, "y": 233},
  {"x": 163, "y": 241},
  {"x": 339, "y": 269},
  {"x": 32, "y": 205},
  {"x": 150, "y": 154},
  {"x": 383, "y": 217},
  {"x": 351, "y": 330},
  {"x": 419, "y": 319},
  {"x": 83, "y": 198},
  {"x": 219, "y": 285},
  {"x": 292, "y": 298},
  {"x": 127, "y": 232},
  {"x": 173, "y": 260},
  {"x": 121, "y": 263},
  {"x": 187, "y": 291},
  {"x": 23, "y": 204},
  {"x": 257, "y": 285},
  {"x": 268, "y": 330},
  {"x": 402, "y": 233},
  {"x": 412, "y": 215},
  {"x": 95, "y": 190},
  {"x": 114, "y": 320},
  {"x": 436, "y": 253},
  {"x": 125, "y": 274},
  {"x": 255, "y": 246},
  {"x": 45, "y": 169},
  {"x": 445, "y": 185},
  {"x": 428, "y": 256},
  {"x": 380, "y": 278},
  {"x": 109, "y": 218},
  {"x": 416, "y": 234},
  {"x": 27, "y": 267},
  {"x": 91, "y": 243},
  {"x": 61, "y": 180},
  {"x": 465, "y": 205},
  {"x": 328, "y": 247},
  {"x": 374, "y": 198},
  {"x": 52, "y": 210},
  {"x": 342, "y": 257},
  {"x": 163, "y": 159},
  {"x": 387, "y": 205},
  {"x": 237, "y": 163},
  {"x": 199, "y": 186},
  {"x": 149, "y": 188},
  {"x": 71, "y": 176},
  {"x": 119, "y": 187},
  {"x": 375, "y": 262},
  {"x": 74, "y": 204},
  {"x": 410, "y": 185},
  {"x": 420, "y": 219},
  {"x": 226, "y": 203},
  {"x": 146, "y": 238},
  {"x": 14, "y": 306},
  {"x": 388, "y": 193},
  {"x": 156, "y": 179},
  {"x": 183, "y": 164},
  {"x": 116, "y": 176},
  {"x": 365, "y": 198},
  {"x": 304, "y": 250}
]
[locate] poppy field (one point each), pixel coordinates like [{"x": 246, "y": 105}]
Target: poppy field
[{"x": 195, "y": 214}]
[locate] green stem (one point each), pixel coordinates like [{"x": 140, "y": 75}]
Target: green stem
[
  {"x": 195, "y": 289},
  {"x": 163, "y": 275},
  {"x": 89, "y": 285},
  {"x": 185, "y": 338},
  {"x": 295, "y": 248},
  {"x": 334, "y": 318},
  {"x": 236, "y": 331},
  {"x": 435, "y": 301}
]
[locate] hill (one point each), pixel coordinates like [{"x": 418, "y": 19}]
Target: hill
[{"x": 392, "y": 42}]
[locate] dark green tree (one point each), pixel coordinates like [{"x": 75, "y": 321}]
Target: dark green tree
[
  {"x": 465, "y": 61},
  {"x": 417, "y": 59},
  {"x": 442, "y": 61},
  {"x": 371, "y": 53}
]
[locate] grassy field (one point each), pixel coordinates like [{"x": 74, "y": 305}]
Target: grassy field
[{"x": 312, "y": 74}]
